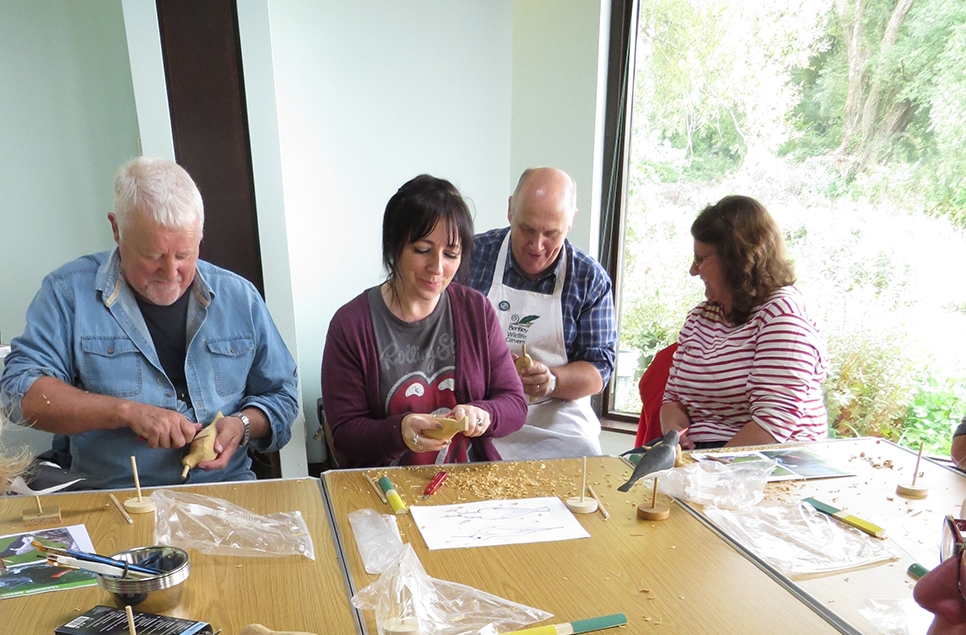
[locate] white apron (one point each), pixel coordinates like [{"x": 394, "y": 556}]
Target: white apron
[{"x": 555, "y": 428}]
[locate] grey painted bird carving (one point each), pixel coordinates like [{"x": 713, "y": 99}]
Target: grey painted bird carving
[{"x": 658, "y": 457}]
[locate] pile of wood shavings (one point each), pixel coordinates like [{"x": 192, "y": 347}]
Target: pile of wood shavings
[
  {"x": 785, "y": 491},
  {"x": 878, "y": 462},
  {"x": 505, "y": 480},
  {"x": 516, "y": 480}
]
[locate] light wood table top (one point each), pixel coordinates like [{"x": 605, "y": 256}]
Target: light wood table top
[
  {"x": 284, "y": 593},
  {"x": 913, "y": 527},
  {"x": 672, "y": 576}
]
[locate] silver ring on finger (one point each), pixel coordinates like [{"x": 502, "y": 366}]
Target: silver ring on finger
[{"x": 416, "y": 439}]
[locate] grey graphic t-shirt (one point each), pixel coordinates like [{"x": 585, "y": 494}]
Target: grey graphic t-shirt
[{"x": 417, "y": 360}]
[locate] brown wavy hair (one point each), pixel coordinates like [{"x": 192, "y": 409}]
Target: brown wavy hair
[{"x": 750, "y": 246}]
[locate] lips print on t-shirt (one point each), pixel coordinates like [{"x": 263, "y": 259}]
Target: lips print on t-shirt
[{"x": 417, "y": 393}]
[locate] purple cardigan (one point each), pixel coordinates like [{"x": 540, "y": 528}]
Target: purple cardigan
[{"x": 485, "y": 377}]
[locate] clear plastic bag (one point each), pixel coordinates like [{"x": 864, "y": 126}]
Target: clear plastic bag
[
  {"x": 722, "y": 485},
  {"x": 798, "y": 540},
  {"x": 215, "y": 526},
  {"x": 896, "y": 617},
  {"x": 377, "y": 537},
  {"x": 406, "y": 600}
]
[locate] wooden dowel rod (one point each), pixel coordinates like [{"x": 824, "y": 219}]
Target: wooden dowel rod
[
  {"x": 130, "y": 616},
  {"x": 600, "y": 505},
  {"x": 124, "y": 514},
  {"x": 915, "y": 474},
  {"x": 137, "y": 482}
]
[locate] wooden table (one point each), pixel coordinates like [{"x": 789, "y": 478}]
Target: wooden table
[
  {"x": 285, "y": 593},
  {"x": 913, "y": 527},
  {"x": 672, "y": 576}
]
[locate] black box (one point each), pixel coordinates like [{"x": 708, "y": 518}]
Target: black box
[{"x": 107, "y": 620}]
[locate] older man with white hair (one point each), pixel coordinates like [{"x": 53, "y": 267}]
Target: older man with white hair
[
  {"x": 130, "y": 352},
  {"x": 558, "y": 302}
]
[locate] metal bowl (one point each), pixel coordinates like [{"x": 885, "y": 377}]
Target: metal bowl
[{"x": 155, "y": 593}]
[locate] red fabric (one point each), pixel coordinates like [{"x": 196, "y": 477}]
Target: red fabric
[{"x": 651, "y": 388}]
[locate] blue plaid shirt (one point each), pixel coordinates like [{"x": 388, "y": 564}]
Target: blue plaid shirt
[{"x": 589, "y": 325}]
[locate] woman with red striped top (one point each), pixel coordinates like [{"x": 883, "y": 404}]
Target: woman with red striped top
[{"x": 750, "y": 361}]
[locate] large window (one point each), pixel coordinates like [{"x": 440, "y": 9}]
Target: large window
[{"x": 845, "y": 118}]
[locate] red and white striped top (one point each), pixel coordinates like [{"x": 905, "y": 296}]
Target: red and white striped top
[{"x": 768, "y": 370}]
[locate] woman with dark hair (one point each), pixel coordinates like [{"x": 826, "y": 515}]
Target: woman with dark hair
[
  {"x": 750, "y": 361},
  {"x": 417, "y": 347}
]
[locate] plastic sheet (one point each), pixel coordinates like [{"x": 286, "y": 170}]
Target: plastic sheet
[
  {"x": 406, "y": 600},
  {"x": 377, "y": 537},
  {"x": 798, "y": 540},
  {"x": 215, "y": 526},
  {"x": 722, "y": 485},
  {"x": 896, "y": 617}
]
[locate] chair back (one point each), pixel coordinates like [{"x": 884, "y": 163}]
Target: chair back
[{"x": 651, "y": 387}]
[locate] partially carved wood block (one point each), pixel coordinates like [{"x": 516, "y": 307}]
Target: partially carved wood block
[
  {"x": 451, "y": 427},
  {"x": 202, "y": 447}
]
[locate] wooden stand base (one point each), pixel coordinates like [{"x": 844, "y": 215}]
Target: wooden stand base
[
  {"x": 916, "y": 491},
  {"x": 401, "y": 626},
  {"x": 587, "y": 505},
  {"x": 142, "y": 506},
  {"x": 659, "y": 511},
  {"x": 49, "y": 515}
]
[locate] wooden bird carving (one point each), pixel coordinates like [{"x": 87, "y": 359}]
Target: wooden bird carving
[
  {"x": 450, "y": 428},
  {"x": 202, "y": 447},
  {"x": 657, "y": 458},
  {"x": 524, "y": 361}
]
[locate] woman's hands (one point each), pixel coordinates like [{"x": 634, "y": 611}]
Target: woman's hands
[
  {"x": 674, "y": 416},
  {"x": 478, "y": 419},
  {"x": 415, "y": 424},
  {"x": 412, "y": 427}
]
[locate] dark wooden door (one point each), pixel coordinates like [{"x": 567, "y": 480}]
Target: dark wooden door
[{"x": 206, "y": 97}]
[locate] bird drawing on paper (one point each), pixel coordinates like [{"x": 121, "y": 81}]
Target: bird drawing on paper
[{"x": 657, "y": 458}]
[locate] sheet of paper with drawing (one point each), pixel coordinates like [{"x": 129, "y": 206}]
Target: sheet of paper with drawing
[{"x": 497, "y": 522}]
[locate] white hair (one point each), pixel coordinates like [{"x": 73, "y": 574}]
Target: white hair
[{"x": 160, "y": 189}]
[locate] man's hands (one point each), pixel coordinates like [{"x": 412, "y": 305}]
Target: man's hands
[
  {"x": 230, "y": 432},
  {"x": 536, "y": 380},
  {"x": 159, "y": 427}
]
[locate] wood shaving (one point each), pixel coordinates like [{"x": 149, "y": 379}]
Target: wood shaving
[
  {"x": 877, "y": 462},
  {"x": 503, "y": 481}
]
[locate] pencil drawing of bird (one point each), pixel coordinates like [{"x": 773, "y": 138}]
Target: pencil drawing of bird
[{"x": 657, "y": 458}]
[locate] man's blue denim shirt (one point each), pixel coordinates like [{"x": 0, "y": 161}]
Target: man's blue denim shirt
[{"x": 85, "y": 329}]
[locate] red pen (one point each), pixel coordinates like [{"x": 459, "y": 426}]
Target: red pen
[{"x": 434, "y": 485}]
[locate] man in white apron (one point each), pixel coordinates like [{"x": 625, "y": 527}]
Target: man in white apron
[{"x": 556, "y": 300}]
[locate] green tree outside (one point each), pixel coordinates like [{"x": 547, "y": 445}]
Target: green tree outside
[{"x": 845, "y": 118}]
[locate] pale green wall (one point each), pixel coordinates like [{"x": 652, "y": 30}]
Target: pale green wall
[
  {"x": 369, "y": 95},
  {"x": 558, "y": 94},
  {"x": 67, "y": 120}
]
